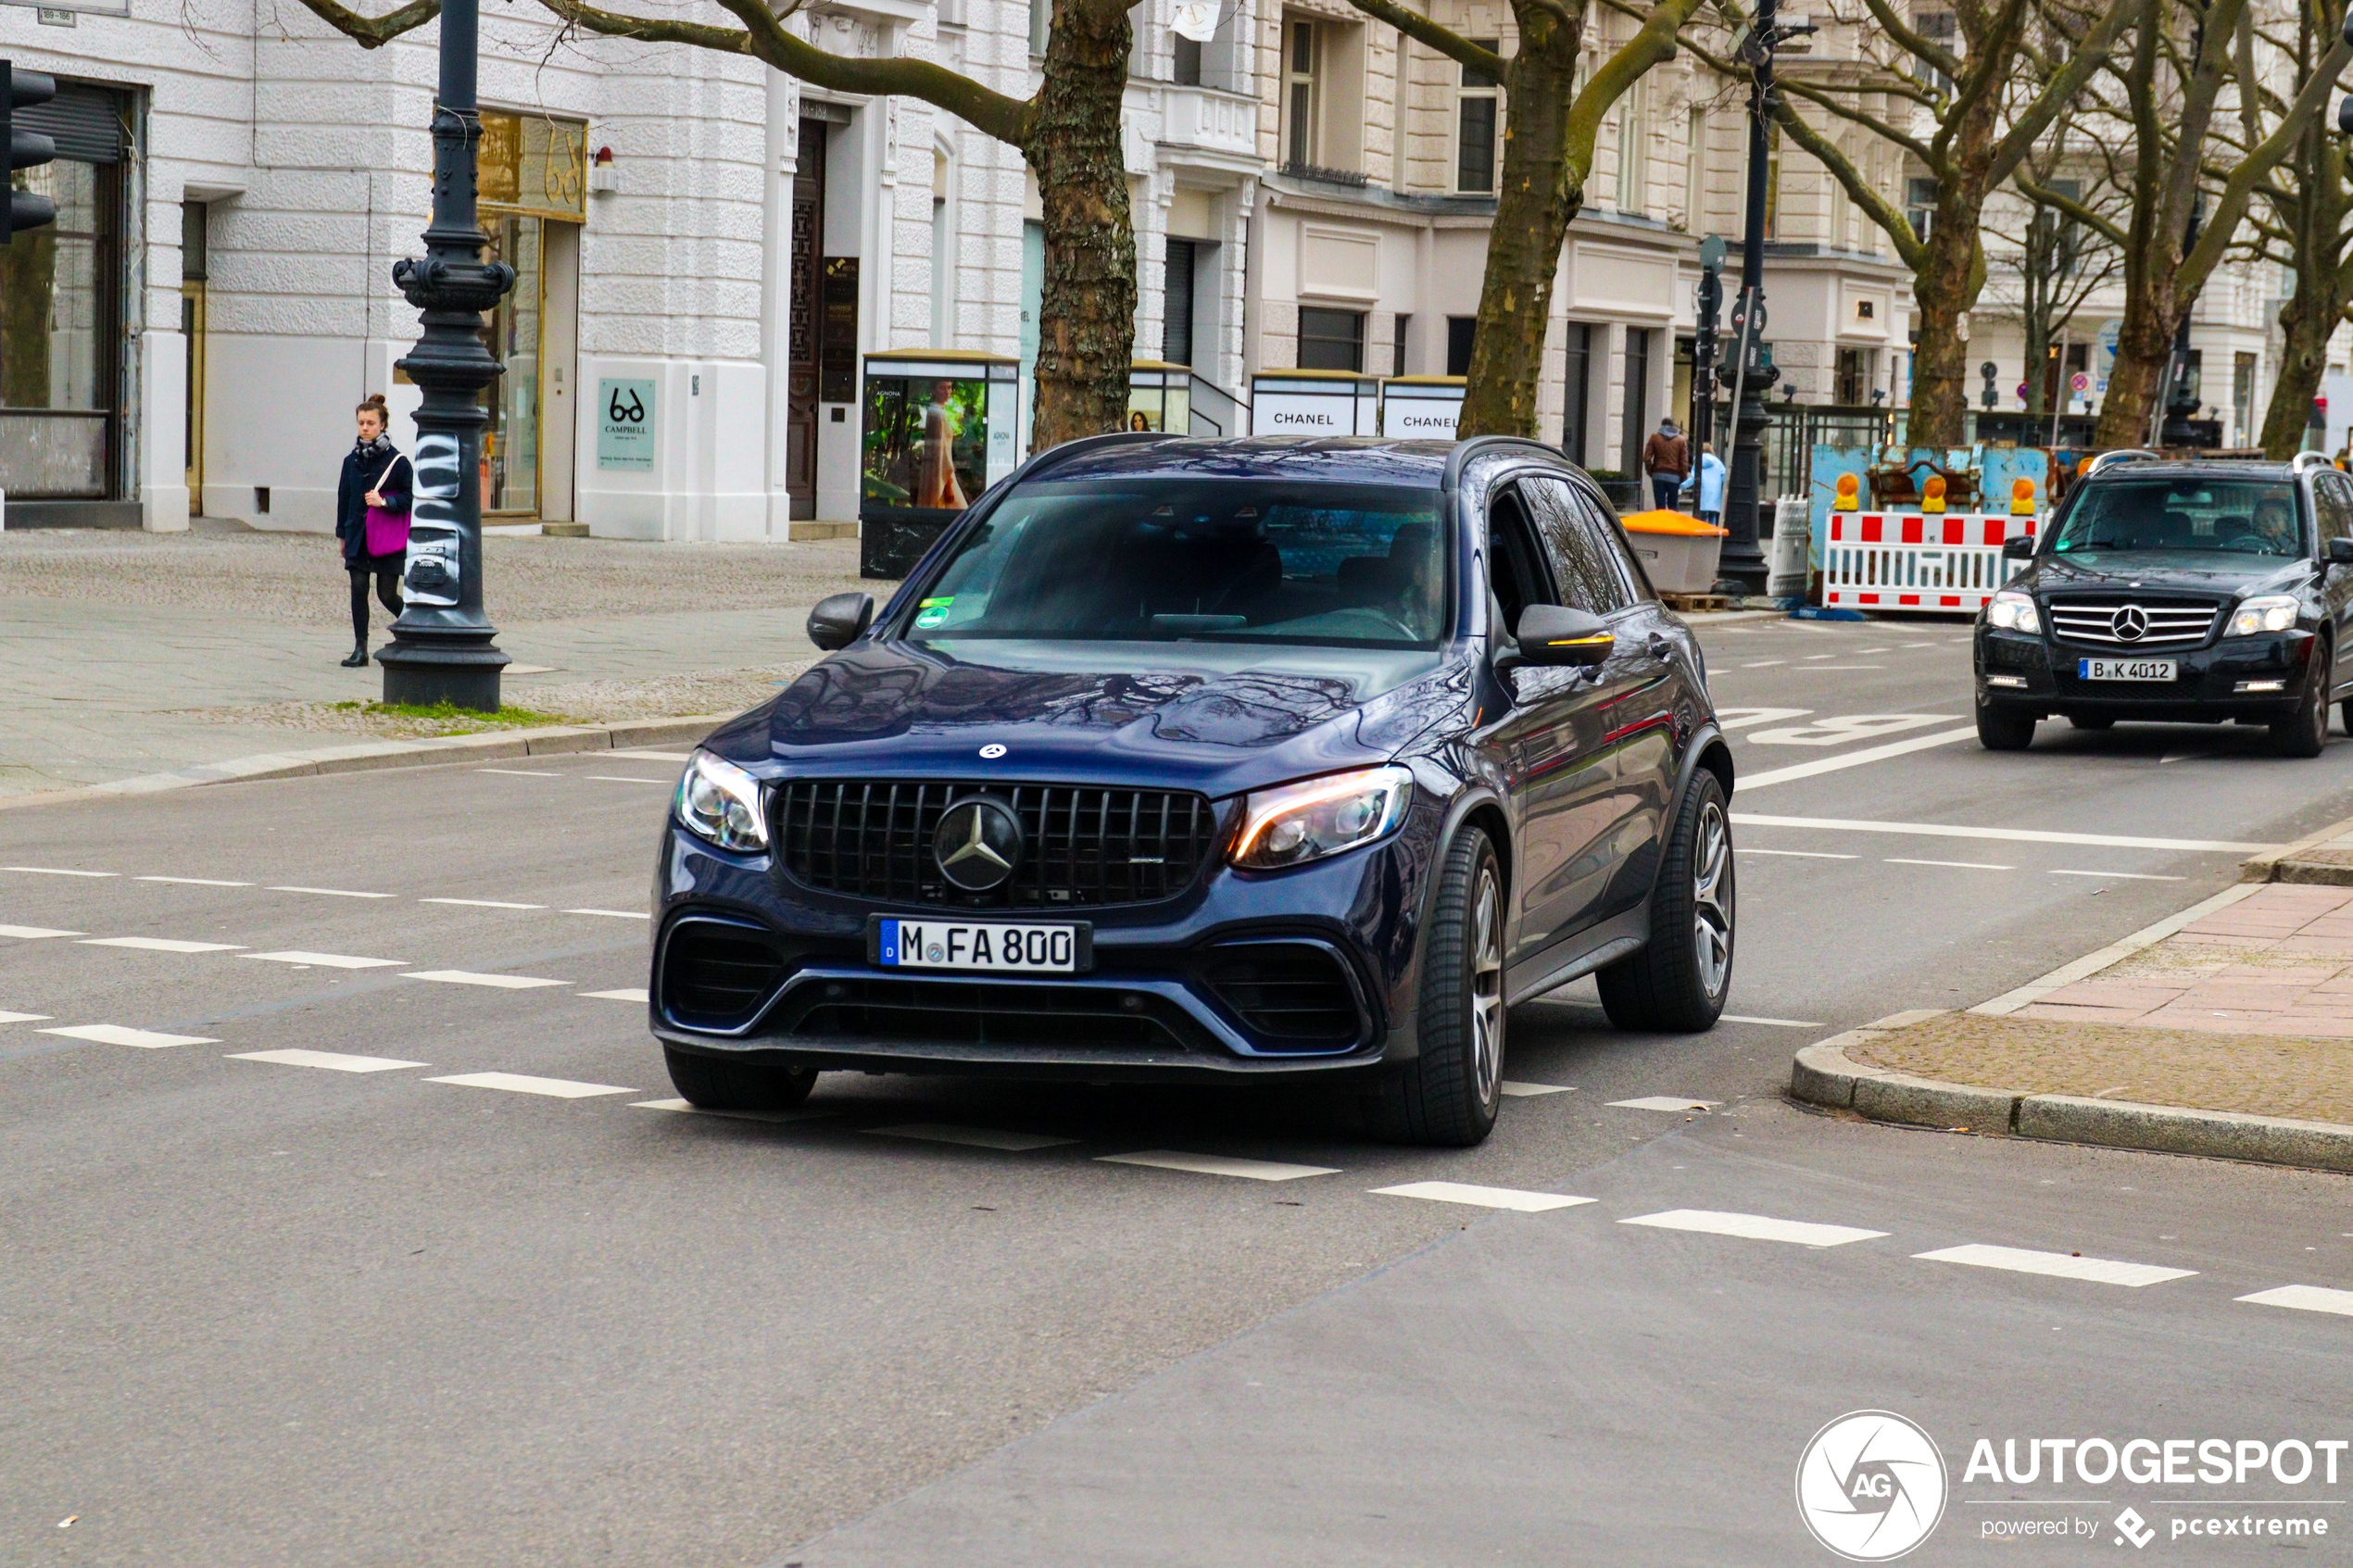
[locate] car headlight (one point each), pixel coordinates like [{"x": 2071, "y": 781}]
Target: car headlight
[
  {"x": 2012, "y": 612},
  {"x": 2267, "y": 612},
  {"x": 720, "y": 802},
  {"x": 1318, "y": 817}
]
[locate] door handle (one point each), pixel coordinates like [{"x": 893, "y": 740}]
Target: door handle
[{"x": 1659, "y": 645}]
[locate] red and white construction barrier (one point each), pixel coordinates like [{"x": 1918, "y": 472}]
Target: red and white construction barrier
[{"x": 1948, "y": 561}]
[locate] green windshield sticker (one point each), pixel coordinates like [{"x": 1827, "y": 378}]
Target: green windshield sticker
[{"x": 936, "y": 604}]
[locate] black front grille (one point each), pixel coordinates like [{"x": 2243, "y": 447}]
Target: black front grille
[
  {"x": 1081, "y": 846},
  {"x": 982, "y": 1013},
  {"x": 1286, "y": 991},
  {"x": 2169, "y": 623},
  {"x": 715, "y": 974}
]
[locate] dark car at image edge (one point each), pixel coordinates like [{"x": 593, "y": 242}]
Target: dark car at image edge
[
  {"x": 1215, "y": 761},
  {"x": 2177, "y": 591}
]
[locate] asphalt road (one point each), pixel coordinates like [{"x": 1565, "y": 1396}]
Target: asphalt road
[{"x": 279, "y": 1312}]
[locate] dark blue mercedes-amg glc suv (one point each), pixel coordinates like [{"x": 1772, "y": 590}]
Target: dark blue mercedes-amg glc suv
[{"x": 1213, "y": 761}]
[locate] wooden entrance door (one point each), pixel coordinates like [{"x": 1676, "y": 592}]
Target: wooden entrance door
[{"x": 801, "y": 372}]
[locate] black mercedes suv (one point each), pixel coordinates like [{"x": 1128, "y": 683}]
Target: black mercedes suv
[
  {"x": 1213, "y": 761},
  {"x": 2190, "y": 591}
]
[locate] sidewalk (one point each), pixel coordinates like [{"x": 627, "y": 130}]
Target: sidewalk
[
  {"x": 2242, "y": 1016},
  {"x": 130, "y": 654}
]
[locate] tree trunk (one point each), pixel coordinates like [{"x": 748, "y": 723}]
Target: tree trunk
[
  {"x": 1541, "y": 194},
  {"x": 1087, "y": 312},
  {"x": 2143, "y": 352},
  {"x": 1945, "y": 287}
]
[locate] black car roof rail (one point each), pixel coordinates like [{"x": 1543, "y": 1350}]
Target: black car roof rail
[
  {"x": 1053, "y": 456},
  {"x": 2303, "y": 460},
  {"x": 1479, "y": 444},
  {"x": 2123, "y": 455}
]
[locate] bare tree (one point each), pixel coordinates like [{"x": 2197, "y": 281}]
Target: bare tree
[
  {"x": 1069, "y": 132},
  {"x": 2305, "y": 221},
  {"x": 1549, "y": 134},
  {"x": 2057, "y": 264},
  {"x": 1953, "y": 91}
]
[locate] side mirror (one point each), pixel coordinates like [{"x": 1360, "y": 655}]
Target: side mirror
[
  {"x": 2020, "y": 549},
  {"x": 2341, "y": 552},
  {"x": 1557, "y": 636},
  {"x": 841, "y": 619}
]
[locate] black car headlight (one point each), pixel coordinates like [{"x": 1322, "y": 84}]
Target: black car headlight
[
  {"x": 1318, "y": 817},
  {"x": 2266, "y": 612},
  {"x": 2010, "y": 611},
  {"x": 720, "y": 802}
]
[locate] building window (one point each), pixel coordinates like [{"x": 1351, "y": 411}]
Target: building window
[
  {"x": 1461, "y": 332},
  {"x": 1474, "y": 128},
  {"x": 1696, "y": 171},
  {"x": 1185, "y": 56},
  {"x": 1633, "y": 150},
  {"x": 1397, "y": 357},
  {"x": 1773, "y": 183},
  {"x": 1633, "y": 428},
  {"x": 1919, "y": 205},
  {"x": 943, "y": 260},
  {"x": 1041, "y": 18},
  {"x": 1177, "y": 304},
  {"x": 1580, "y": 390},
  {"x": 1853, "y": 383},
  {"x": 1944, "y": 28},
  {"x": 1331, "y": 340},
  {"x": 1299, "y": 95}
]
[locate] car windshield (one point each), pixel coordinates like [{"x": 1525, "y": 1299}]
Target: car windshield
[
  {"x": 2251, "y": 516},
  {"x": 1230, "y": 560}
]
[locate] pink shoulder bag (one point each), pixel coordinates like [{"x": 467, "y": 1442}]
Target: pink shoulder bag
[{"x": 387, "y": 531}]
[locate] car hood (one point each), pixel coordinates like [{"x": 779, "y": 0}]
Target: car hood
[
  {"x": 2156, "y": 571},
  {"x": 1217, "y": 718}
]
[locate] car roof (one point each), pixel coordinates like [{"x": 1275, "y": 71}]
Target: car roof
[
  {"x": 1334, "y": 460},
  {"x": 2175, "y": 468}
]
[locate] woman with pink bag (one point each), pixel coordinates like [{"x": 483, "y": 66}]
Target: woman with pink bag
[{"x": 371, "y": 519}]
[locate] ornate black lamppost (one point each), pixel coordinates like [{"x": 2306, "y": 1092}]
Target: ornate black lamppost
[{"x": 441, "y": 648}]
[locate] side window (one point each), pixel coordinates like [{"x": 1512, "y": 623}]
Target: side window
[
  {"x": 2334, "y": 497},
  {"x": 1516, "y": 569},
  {"x": 1583, "y": 557}
]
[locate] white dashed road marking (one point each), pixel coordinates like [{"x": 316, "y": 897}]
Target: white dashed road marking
[
  {"x": 1796, "y": 854},
  {"x": 23, "y": 1017},
  {"x": 616, "y": 778},
  {"x": 1665, "y": 1103},
  {"x": 496, "y": 981},
  {"x": 55, "y": 871},
  {"x": 1754, "y": 1227},
  {"x": 333, "y": 1062},
  {"x": 33, "y": 933},
  {"x": 978, "y": 1137},
  {"x": 1484, "y": 1198},
  {"x": 2008, "y": 836},
  {"x": 2058, "y": 1265},
  {"x": 621, "y": 995},
  {"x": 1517, "y": 1089},
  {"x": 325, "y": 961},
  {"x": 1775, "y": 1022},
  {"x": 1218, "y": 1165},
  {"x": 521, "y": 1083},
  {"x": 116, "y": 1035},
  {"x": 1950, "y": 865},
  {"x": 613, "y": 914},
  {"x": 160, "y": 944},
  {"x": 1853, "y": 760},
  {"x": 193, "y": 881},
  {"x": 482, "y": 903},
  {"x": 331, "y": 892},
  {"x": 2117, "y": 876},
  {"x": 680, "y": 1105},
  {"x": 657, "y": 756},
  {"x": 2305, "y": 1298},
  {"x": 520, "y": 772}
]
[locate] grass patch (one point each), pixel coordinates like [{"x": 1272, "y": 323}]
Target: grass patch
[{"x": 449, "y": 719}]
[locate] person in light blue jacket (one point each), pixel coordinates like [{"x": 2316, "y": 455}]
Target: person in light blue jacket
[{"x": 1711, "y": 486}]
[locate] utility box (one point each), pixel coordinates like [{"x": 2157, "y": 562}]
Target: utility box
[{"x": 1679, "y": 552}]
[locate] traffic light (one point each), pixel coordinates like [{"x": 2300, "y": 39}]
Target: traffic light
[{"x": 26, "y": 149}]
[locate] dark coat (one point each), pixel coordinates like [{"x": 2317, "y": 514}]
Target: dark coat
[{"x": 361, "y": 467}]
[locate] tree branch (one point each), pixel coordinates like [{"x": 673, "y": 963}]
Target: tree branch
[
  {"x": 1446, "y": 41},
  {"x": 373, "y": 33}
]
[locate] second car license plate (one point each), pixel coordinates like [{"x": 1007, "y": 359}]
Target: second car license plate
[
  {"x": 1061, "y": 949},
  {"x": 2124, "y": 668}
]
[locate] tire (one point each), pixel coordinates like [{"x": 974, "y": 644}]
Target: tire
[
  {"x": 2091, "y": 722},
  {"x": 1448, "y": 1095},
  {"x": 1678, "y": 982},
  {"x": 2307, "y": 734},
  {"x": 710, "y": 1083},
  {"x": 1997, "y": 731}
]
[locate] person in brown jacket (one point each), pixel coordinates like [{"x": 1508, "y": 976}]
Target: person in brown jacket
[{"x": 1667, "y": 458}]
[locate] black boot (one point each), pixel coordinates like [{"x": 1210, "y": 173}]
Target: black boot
[{"x": 358, "y": 657}]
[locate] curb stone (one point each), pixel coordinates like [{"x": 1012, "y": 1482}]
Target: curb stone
[
  {"x": 2287, "y": 864},
  {"x": 1822, "y": 1073},
  {"x": 369, "y": 756}
]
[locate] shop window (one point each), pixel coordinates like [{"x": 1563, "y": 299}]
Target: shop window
[
  {"x": 1397, "y": 355},
  {"x": 1461, "y": 332},
  {"x": 1579, "y": 392},
  {"x": 60, "y": 337},
  {"x": 1331, "y": 340},
  {"x": 1635, "y": 426},
  {"x": 1177, "y": 304}
]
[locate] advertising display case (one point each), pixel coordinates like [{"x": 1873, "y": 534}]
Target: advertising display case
[
  {"x": 938, "y": 429},
  {"x": 1160, "y": 397},
  {"x": 1422, "y": 408},
  {"x": 1313, "y": 403}
]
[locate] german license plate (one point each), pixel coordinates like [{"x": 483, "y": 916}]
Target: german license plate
[
  {"x": 998, "y": 947},
  {"x": 2124, "y": 668}
]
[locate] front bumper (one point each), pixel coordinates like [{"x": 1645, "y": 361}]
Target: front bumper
[
  {"x": 2030, "y": 674},
  {"x": 1180, "y": 989}
]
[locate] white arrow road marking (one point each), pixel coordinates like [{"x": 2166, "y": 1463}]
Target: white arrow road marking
[
  {"x": 55, "y": 871},
  {"x": 1841, "y": 729},
  {"x": 116, "y": 1035},
  {"x": 160, "y": 945},
  {"x": 1484, "y": 1198},
  {"x": 23, "y": 1017},
  {"x": 622, "y": 996},
  {"x": 193, "y": 881},
  {"x": 331, "y": 892},
  {"x": 613, "y": 914},
  {"x": 1218, "y": 1165},
  {"x": 1665, "y": 1103},
  {"x": 496, "y": 981},
  {"x": 523, "y": 1083},
  {"x": 1742, "y": 718},
  {"x": 482, "y": 903},
  {"x": 2058, "y": 1265},
  {"x": 1519, "y": 1090},
  {"x": 333, "y": 1062},
  {"x": 1754, "y": 1227},
  {"x": 1855, "y": 759},
  {"x": 325, "y": 961},
  {"x": 33, "y": 933},
  {"x": 2305, "y": 1298}
]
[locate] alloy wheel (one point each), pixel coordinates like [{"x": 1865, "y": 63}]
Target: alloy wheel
[
  {"x": 1487, "y": 989},
  {"x": 1711, "y": 899}
]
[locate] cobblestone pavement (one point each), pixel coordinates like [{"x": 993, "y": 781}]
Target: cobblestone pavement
[
  {"x": 124, "y": 654},
  {"x": 2249, "y": 1009}
]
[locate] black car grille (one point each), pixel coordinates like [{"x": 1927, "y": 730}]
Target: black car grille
[
  {"x": 715, "y": 974},
  {"x": 1081, "y": 846},
  {"x": 2171, "y": 623},
  {"x": 984, "y": 1014},
  {"x": 1286, "y": 991}
]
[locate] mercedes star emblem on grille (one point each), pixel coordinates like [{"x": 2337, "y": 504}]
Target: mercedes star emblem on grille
[
  {"x": 2130, "y": 623},
  {"x": 977, "y": 842}
]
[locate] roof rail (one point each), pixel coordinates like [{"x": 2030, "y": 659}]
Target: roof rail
[
  {"x": 2124, "y": 455},
  {"x": 2303, "y": 460}
]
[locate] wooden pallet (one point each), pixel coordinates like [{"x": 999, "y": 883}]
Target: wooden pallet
[{"x": 1689, "y": 603}]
